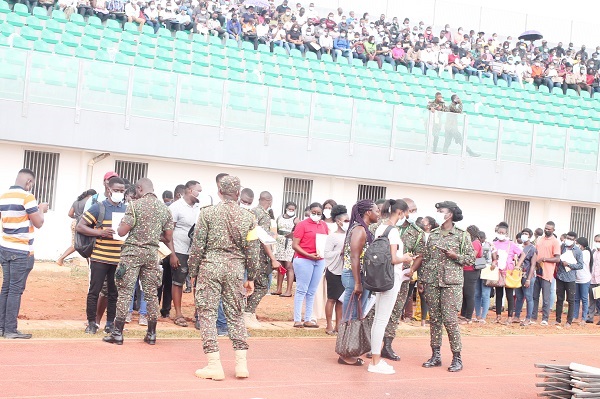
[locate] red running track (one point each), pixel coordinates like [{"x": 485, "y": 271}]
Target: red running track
[{"x": 495, "y": 367}]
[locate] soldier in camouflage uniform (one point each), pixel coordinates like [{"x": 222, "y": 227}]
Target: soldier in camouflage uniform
[
  {"x": 436, "y": 106},
  {"x": 146, "y": 220},
  {"x": 413, "y": 239},
  {"x": 447, "y": 251},
  {"x": 451, "y": 131},
  {"x": 222, "y": 249}
]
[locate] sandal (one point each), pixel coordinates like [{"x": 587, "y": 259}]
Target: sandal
[
  {"x": 298, "y": 325},
  {"x": 358, "y": 362},
  {"x": 310, "y": 324},
  {"x": 331, "y": 332},
  {"x": 276, "y": 293},
  {"x": 180, "y": 321},
  {"x": 285, "y": 295}
]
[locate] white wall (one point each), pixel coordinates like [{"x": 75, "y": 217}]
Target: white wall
[{"x": 482, "y": 209}]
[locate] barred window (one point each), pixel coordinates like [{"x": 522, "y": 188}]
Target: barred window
[
  {"x": 373, "y": 193},
  {"x": 582, "y": 221},
  {"x": 45, "y": 167},
  {"x": 298, "y": 191},
  {"x": 132, "y": 171},
  {"x": 516, "y": 214}
]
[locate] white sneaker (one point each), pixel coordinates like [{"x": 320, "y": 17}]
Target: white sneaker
[
  {"x": 143, "y": 320},
  {"x": 128, "y": 317},
  {"x": 544, "y": 323},
  {"x": 381, "y": 368}
]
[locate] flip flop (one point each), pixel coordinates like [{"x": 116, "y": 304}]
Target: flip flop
[
  {"x": 332, "y": 332},
  {"x": 285, "y": 296},
  {"x": 358, "y": 362},
  {"x": 180, "y": 321},
  {"x": 298, "y": 325},
  {"x": 275, "y": 293},
  {"x": 310, "y": 324}
]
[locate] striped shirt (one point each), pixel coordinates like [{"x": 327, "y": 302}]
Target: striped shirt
[
  {"x": 17, "y": 231},
  {"x": 106, "y": 250}
]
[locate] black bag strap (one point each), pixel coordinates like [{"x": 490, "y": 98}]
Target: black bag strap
[
  {"x": 387, "y": 231},
  {"x": 101, "y": 212}
]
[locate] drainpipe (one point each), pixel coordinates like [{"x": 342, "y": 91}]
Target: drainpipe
[{"x": 90, "y": 169}]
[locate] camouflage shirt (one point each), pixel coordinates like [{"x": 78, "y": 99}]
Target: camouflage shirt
[
  {"x": 148, "y": 217},
  {"x": 221, "y": 237},
  {"x": 413, "y": 239},
  {"x": 263, "y": 219},
  {"x": 451, "y": 117},
  {"x": 439, "y": 270},
  {"x": 433, "y": 105}
]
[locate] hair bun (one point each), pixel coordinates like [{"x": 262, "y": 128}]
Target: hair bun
[{"x": 392, "y": 202}]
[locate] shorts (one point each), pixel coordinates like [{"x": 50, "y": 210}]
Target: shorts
[
  {"x": 335, "y": 288},
  {"x": 180, "y": 274}
]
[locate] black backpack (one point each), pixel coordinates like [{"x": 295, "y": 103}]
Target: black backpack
[
  {"x": 378, "y": 271},
  {"x": 85, "y": 244}
]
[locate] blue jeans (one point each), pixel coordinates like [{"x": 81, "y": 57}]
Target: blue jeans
[
  {"x": 545, "y": 287},
  {"x": 298, "y": 46},
  {"x": 283, "y": 44},
  {"x": 221, "y": 319},
  {"x": 15, "y": 269},
  {"x": 308, "y": 275},
  {"x": 581, "y": 295},
  {"x": 344, "y": 53},
  {"x": 143, "y": 303},
  {"x": 348, "y": 283},
  {"x": 525, "y": 294},
  {"x": 154, "y": 24},
  {"x": 482, "y": 299}
]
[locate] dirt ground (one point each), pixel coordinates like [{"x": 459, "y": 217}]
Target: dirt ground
[{"x": 62, "y": 296}]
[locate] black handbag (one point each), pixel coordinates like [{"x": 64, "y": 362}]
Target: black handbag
[
  {"x": 354, "y": 336},
  {"x": 480, "y": 263}
]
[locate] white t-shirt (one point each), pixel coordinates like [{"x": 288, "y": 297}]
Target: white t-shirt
[
  {"x": 583, "y": 275},
  {"x": 394, "y": 237},
  {"x": 184, "y": 217}
]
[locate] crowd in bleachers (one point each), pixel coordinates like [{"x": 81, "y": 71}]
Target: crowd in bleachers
[{"x": 383, "y": 41}]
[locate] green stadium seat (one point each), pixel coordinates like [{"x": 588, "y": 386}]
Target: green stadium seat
[
  {"x": 102, "y": 55},
  {"x": 90, "y": 43},
  {"x": 69, "y": 39},
  {"x": 164, "y": 43},
  {"x": 183, "y": 45},
  {"x": 183, "y": 36},
  {"x": 127, "y": 49},
  {"x": 124, "y": 59},
  {"x": 63, "y": 49},
  {"x": 181, "y": 67},
  {"x": 132, "y": 28},
  {"x": 15, "y": 20},
  {"x": 200, "y": 70},
  {"x": 164, "y": 54},
  {"x": 146, "y": 52},
  {"x": 165, "y": 33},
  {"x": 129, "y": 38},
  {"x": 77, "y": 19},
  {"x": 148, "y": 30},
  {"x": 93, "y": 32},
  {"x": 43, "y": 47},
  {"x": 143, "y": 62},
  {"x": 95, "y": 22},
  {"x": 84, "y": 52},
  {"x": 21, "y": 9},
  {"x": 147, "y": 41},
  {"x": 4, "y": 7},
  {"x": 74, "y": 29},
  {"x": 55, "y": 26},
  {"x": 114, "y": 25},
  {"x": 34, "y": 23},
  {"x": 232, "y": 43},
  {"x": 59, "y": 16},
  {"x": 29, "y": 33},
  {"x": 22, "y": 43},
  {"x": 183, "y": 57}
]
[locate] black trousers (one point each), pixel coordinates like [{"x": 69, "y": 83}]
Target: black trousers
[
  {"x": 470, "y": 280},
  {"x": 164, "y": 292},
  {"x": 98, "y": 273},
  {"x": 510, "y": 299},
  {"x": 562, "y": 288}
]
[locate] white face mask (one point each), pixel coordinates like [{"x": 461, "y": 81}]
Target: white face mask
[
  {"x": 412, "y": 217},
  {"x": 327, "y": 213},
  {"x": 401, "y": 221},
  {"x": 291, "y": 213},
  {"x": 440, "y": 218},
  {"x": 315, "y": 218},
  {"x": 244, "y": 206},
  {"x": 524, "y": 238},
  {"x": 569, "y": 243},
  {"x": 597, "y": 245},
  {"x": 501, "y": 237},
  {"x": 345, "y": 226},
  {"x": 117, "y": 197}
]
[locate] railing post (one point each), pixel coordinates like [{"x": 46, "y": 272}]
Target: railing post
[
  {"x": 311, "y": 120},
  {"x": 393, "y": 133},
  {"x": 177, "y": 105},
  {"x": 129, "y": 98},
  {"x": 430, "y": 116},
  {"x": 353, "y": 126},
  {"x": 25, "y": 105},
  {"x": 464, "y": 135},
  {"x": 566, "y": 154},
  {"x": 499, "y": 144},
  {"x": 268, "y": 116},
  {"x": 533, "y": 144},
  {"x": 223, "y": 110},
  {"x": 78, "y": 92}
]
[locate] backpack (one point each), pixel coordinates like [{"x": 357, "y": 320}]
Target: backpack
[
  {"x": 378, "y": 271},
  {"x": 85, "y": 244}
]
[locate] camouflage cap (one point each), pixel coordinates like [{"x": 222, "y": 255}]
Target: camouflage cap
[
  {"x": 230, "y": 185},
  {"x": 446, "y": 204}
]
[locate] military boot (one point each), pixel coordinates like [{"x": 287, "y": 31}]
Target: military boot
[
  {"x": 241, "y": 365},
  {"x": 150, "y": 337},
  {"x": 456, "y": 364},
  {"x": 116, "y": 336},
  {"x": 436, "y": 359},
  {"x": 387, "y": 351},
  {"x": 214, "y": 369}
]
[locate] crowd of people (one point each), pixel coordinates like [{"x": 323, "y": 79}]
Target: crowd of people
[
  {"x": 382, "y": 40},
  {"x": 230, "y": 249}
]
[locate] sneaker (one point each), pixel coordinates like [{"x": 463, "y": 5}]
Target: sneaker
[
  {"x": 544, "y": 323},
  {"x": 381, "y": 368},
  {"x": 187, "y": 290},
  {"x": 143, "y": 320},
  {"x": 128, "y": 317},
  {"x": 222, "y": 332},
  {"x": 92, "y": 328},
  {"x": 568, "y": 325},
  {"x": 108, "y": 328}
]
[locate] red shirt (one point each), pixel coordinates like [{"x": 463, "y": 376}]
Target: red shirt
[
  {"x": 478, "y": 254},
  {"x": 307, "y": 231},
  {"x": 452, "y": 58}
]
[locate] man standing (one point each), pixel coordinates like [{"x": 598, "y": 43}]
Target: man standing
[
  {"x": 220, "y": 253},
  {"x": 413, "y": 239},
  {"x": 549, "y": 251},
  {"x": 267, "y": 261},
  {"x": 146, "y": 220},
  {"x": 566, "y": 274},
  {"x": 185, "y": 213},
  {"x": 452, "y": 133},
  {"x": 102, "y": 195},
  {"x": 97, "y": 222},
  {"x": 436, "y": 107},
  {"x": 20, "y": 213}
]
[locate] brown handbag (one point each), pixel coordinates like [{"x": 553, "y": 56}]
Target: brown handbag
[{"x": 354, "y": 336}]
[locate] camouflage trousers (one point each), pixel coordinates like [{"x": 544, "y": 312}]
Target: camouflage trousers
[
  {"x": 444, "y": 304},
  {"x": 146, "y": 267},
  {"x": 390, "y": 330},
  {"x": 216, "y": 282},
  {"x": 261, "y": 286}
]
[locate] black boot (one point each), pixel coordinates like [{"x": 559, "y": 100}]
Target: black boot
[
  {"x": 150, "y": 337},
  {"x": 116, "y": 336},
  {"x": 456, "y": 364},
  {"x": 436, "y": 359},
  {"x": 387, "y": 351}
]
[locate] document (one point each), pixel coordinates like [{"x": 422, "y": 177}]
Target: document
[
  {"x": 568, "y": 257},
  {"x": 163, "y": 250},
  {"x": 263, "y": 236},
  {"x": 321, "y": 240},
  {"x": 488, "y": 274},
  {"x": 596, "y": 292},
  {"x": 116, "y": 221}
]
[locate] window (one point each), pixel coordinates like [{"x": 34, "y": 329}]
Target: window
[
  {"x": 45, "y": 167},
  {"x": 132, "y": 171},
  {"x": 298, "y": 191},
  {"x": 582, "y": 222},
  {"x": 516, "y": 214},
  {"x": 373, "y": 193}
]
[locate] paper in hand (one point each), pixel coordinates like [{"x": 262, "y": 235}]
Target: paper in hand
[
  {"x": 568, "y": 257},
  {"x": 116, "y": 221}
]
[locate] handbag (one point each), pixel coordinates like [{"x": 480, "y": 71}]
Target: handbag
[
  {"x": 480, "y": 263},
  {"x": 354, "y": 336},
  {"x": 513, "y": 278},
  {"x": 501, "y": 282}
]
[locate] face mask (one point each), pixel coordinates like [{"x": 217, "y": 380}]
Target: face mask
[
  {"x": 117, "y": 197},
  {"x": 315, "y": 218},
  {"x": 327, "y": 213},
  {"x": 597, "y": 245},
  {"x": 401, "y": 221},
  {"x": 412, "y": 217},
  {"x": 244, "y": 206},
  {"x": 291, "y": 213},
  {"x": 524, "y": 238},
  {"x": 440, "y": 218},
  {"x": 501, "y": 237},
  {"x": 547, "y": 233},
  {"x": 346, "y": 226},
  {"x": 569, "y": 243}
]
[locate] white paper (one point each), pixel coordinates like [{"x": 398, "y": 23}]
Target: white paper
[
  {"x": 116, "y": 221},
  {"x": 370, "y": 304},
  {"x": 502, "y": 259},
  {"x": 568, "y": 257},
  {"x": 264, "y": 237},
  {"x": 488, "y": 274},
  {"x": 321, "y": 240},
  {"x": 596, "y": 292}
]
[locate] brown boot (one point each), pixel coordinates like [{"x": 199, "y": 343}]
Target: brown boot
[
  {"x": 214, "y": 369},
  {"x": 241, "y": 364}
]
